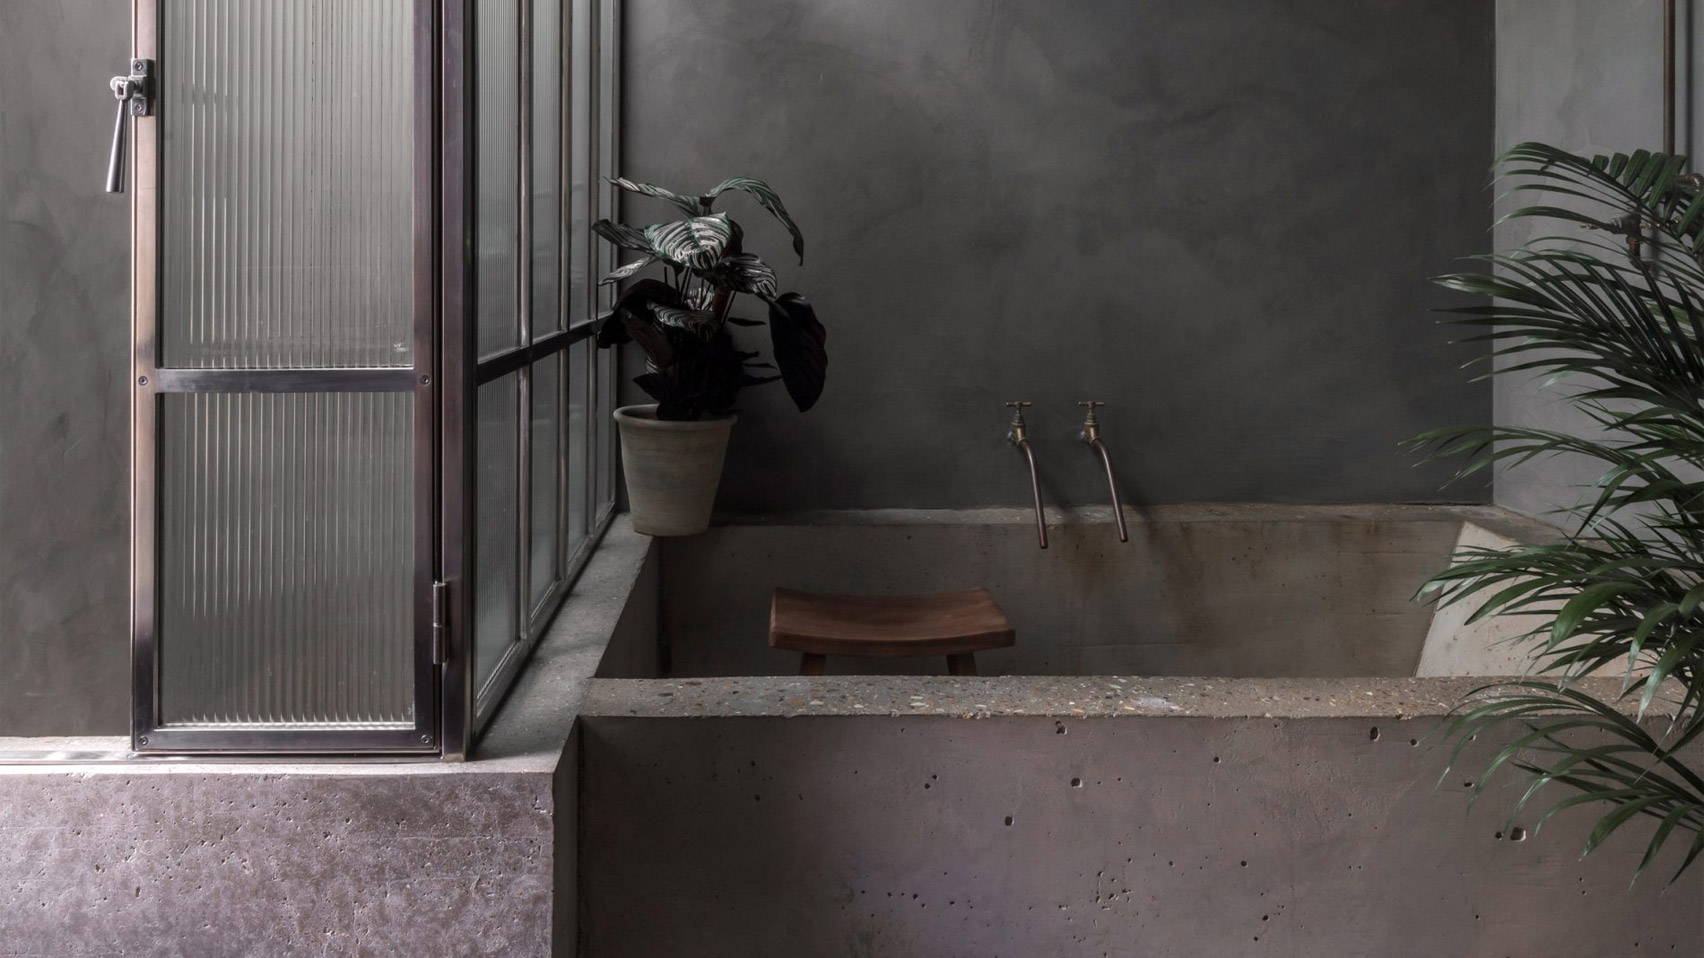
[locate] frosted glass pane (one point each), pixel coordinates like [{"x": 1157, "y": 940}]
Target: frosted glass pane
[
  {"x": 286, "y": 235},
  {"x": 546, "y": 473},
  {"x": 286, "y": 560},
  {"x": 547, "y": 168},
  {"x": 497, "y": 175},
  {"x": 580, "y": 481},
  {"x": 605, "y": 450},
  {"x": 497, "y": 514}
]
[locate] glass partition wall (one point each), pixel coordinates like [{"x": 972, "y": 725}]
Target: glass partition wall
[{"x": 372, "y": 444}]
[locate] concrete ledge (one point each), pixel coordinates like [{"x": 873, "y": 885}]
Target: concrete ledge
[
  {"x": 173, "y": 857},
  {"x": 1182, "y": 512},
  {"x": 1087, "y": 697}
]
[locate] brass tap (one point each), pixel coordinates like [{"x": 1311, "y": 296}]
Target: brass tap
[{"x": 1018, "y": 435}]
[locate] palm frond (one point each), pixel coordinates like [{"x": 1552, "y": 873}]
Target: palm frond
[{"x": 1606, "y": 299}]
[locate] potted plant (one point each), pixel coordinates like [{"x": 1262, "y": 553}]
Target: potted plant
[
  {"x": 672, "y": 450},
  {"x": 1609, "y": 297}
]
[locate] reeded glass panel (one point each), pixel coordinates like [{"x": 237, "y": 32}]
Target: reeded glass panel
[
  {"x": 609, "y": 106},
  {"x": 546, "y": 474},
  {"x": 603, "y": 463},
  {"x": 582, "y": 175},
  {"x": 497, "y": 515},
  {"x": 287, "y": 170},
  {"x": 286, "y": 560},
  {"x": 497, "y": 173},
  {"x": 579, "y": 440},
  {"x": 547, "y": 213}
]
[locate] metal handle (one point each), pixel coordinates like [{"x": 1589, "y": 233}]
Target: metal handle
[
  {"x": 134, "y": 94},
  {"x": 1017, "y": 424}
]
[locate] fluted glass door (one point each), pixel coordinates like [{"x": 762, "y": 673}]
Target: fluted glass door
[{"x": 284, "y": 377}]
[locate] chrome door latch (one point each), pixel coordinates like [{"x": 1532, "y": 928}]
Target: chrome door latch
[{"x": 135, "y": 95}]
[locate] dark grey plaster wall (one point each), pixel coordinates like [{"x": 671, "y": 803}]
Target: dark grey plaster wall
[
  {"x": 1586, "y": 76},
  {"x": 1218, "y": 217},
  {"x": 64, "y": 335}
]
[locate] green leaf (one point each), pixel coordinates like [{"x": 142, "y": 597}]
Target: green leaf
[
  {"x": 798, "y": 341},
  {"x": 744, "y": 273},
  {"x": 690, "y": 205},
  {"x": 767, "y": 198},
  {"x": 623, "y": 272},
  {"x": 623, "y": 236},
  {"x": 696, "y": 243}
]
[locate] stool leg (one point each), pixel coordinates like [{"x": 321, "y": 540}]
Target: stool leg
[
  {"x": 964, "y": 663},
  {"x": 810, "y": 664}
]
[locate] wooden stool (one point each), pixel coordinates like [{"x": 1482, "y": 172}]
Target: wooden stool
[{"x": 954, "y": 624}]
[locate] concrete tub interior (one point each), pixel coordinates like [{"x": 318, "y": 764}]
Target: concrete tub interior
[{"x": 1206, "y": 590}]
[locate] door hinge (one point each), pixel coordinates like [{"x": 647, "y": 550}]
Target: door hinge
[{"x": 440, "y": 615}]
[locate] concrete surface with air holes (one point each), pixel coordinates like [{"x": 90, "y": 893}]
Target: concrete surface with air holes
[{"x": 1036, "y": 835}]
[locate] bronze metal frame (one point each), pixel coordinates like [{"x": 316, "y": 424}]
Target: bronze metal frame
[
  {"x": 449, "y": 711},
  {"x": 151, "y": 383}
]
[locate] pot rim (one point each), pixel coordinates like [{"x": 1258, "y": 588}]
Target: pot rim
[{"x": 644, "y": 416}]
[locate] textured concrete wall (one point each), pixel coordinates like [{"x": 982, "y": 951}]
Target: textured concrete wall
[
  {"x": 64, "y": 339},
  {"x": 1198, "y": 590},
  {"x": 272, "y": 862},
  {"x": 1586, "y": 76},
  {"x": 1218, "y": 217},
  {"x": 634, "y": 651},
  {"x": 1037, "y": 837}
]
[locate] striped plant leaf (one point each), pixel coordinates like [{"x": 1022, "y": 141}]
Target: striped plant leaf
[
  {"x": 682, "y": 318},
  {"x": 623, "y": 272},
  {"x": 690, "y": 205},
  {"x": 697, "y": 243},
  {"x": 744, "y": 273},
  {"x": 767, "y": 198},
  {"x": 623, "y": 236}
]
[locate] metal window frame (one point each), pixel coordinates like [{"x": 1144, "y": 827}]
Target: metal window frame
[
  {"x": 468, "y": 705},
  {"x": 151, "y": 383},
  {"x": 449, "y": 711}
]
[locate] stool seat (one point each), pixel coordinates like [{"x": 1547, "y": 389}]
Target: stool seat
[{"x": 946, "y": 623}]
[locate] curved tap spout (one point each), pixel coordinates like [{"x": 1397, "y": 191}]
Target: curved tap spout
[
  {"x": 1017, "y": 434},
  {"x": 1091, "y": 435}
]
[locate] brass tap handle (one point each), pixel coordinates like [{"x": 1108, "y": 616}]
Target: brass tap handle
[
  {"x": 1091, "y": 425},
  {"x": 1016, "y": 431}
]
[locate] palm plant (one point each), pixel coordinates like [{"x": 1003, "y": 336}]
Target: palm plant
[
  {"x": 681, "y": 321},
  {"x": 1609, "y": 296}
]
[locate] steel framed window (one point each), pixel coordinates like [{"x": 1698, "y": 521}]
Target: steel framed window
[
  {"x": 306, "y": 477},
  {"x": 546, "y": 355}
]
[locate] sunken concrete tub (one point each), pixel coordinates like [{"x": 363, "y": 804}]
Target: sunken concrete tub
[{"x": 1100, "y": 796}]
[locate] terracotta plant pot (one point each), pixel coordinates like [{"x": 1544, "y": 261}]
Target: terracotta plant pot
[{"x": 672, "y": 469}]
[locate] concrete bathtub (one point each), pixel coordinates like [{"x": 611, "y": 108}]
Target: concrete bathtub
[
  {"x": 1094, "y": 794},
  {"x": 1224, "y": 590}
]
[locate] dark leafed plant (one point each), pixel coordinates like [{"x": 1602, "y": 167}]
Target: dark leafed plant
[
  {"x": 1609, "y": 296},
  {"x": 681, "y": 320}
]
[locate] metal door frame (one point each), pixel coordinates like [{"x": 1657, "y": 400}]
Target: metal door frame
[{"x": 151, "y": 383}]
